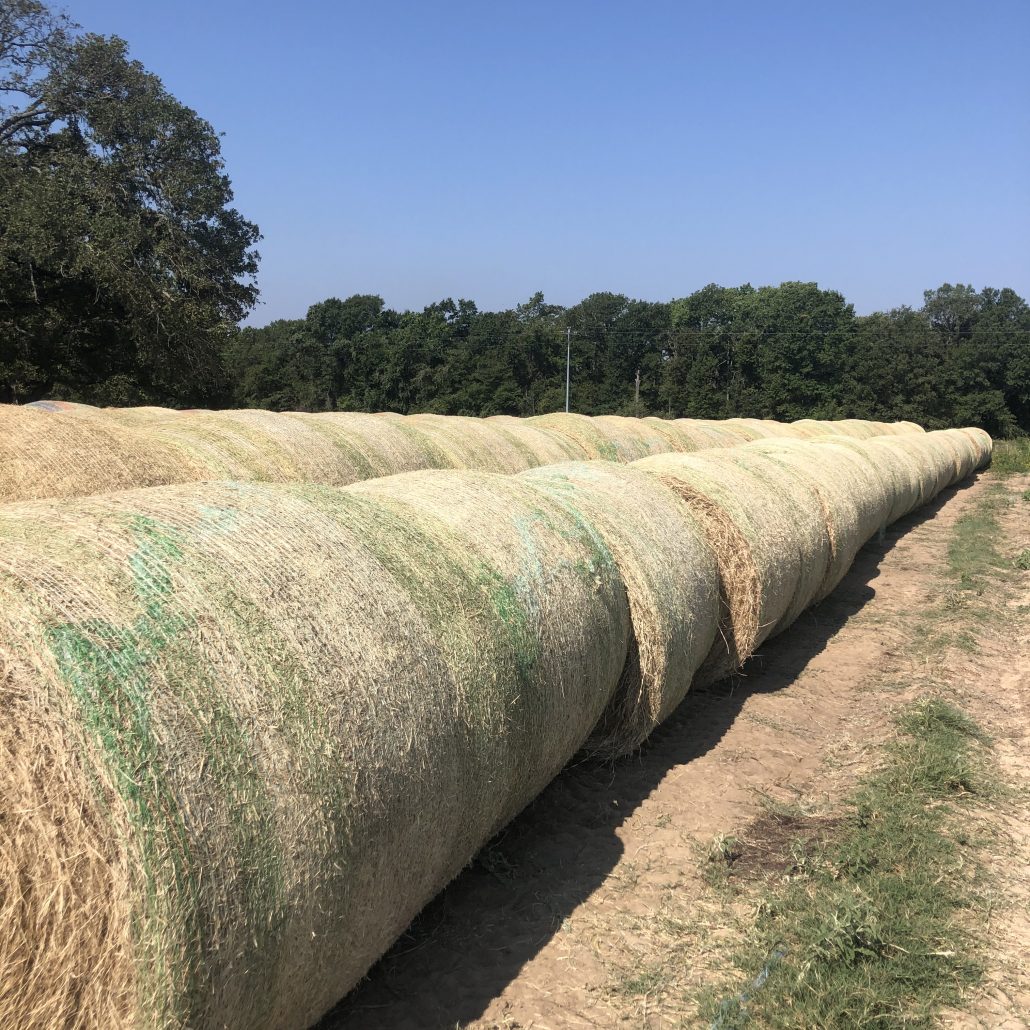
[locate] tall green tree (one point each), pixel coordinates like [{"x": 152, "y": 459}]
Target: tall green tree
[{"x": 123, "y": 267}]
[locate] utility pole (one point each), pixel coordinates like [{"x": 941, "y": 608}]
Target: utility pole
[
  {"x": 636, "y": 391},
  {"x": 568, "y": 365}
]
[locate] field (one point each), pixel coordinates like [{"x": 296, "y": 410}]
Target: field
[{"x": 652, "y": 893}]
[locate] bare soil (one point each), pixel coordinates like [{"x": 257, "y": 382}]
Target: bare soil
[{"x": 593, "y": 908}]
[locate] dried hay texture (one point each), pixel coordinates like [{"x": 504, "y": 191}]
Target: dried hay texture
[
  {"x": 855, "y": 501},
  {"x": 597, "y": 440},
  {"x": 761, "y": 572},
  {"x": 671, "y": 580},
  {"x": 252, "y": 729},
  {"x": 44, "y": 455},
  {"x": 56, "y": 449}
]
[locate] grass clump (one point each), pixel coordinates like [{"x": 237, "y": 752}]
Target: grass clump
[
  {"x": 1011, "y": 457},
  {"x": 868, "y": 930}
]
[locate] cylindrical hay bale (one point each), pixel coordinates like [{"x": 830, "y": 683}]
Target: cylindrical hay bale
[
  {"x": 250, "y": 730},
  {"x": 757, "y": 554},
  {"x": 678, "y": 434},
  {"x": 474, "y": 443},
  {"x": 671, "y": 579},
  {"x": 802, "y": 506},
  {"x": 142, "y": 416},
  {"x": 743, "y": 431},
  {"x": 638, "y": 437},
  {"x": 597, "y": 440},
  {"x": 856, "y": 501},
  {"x": 69, "y": 455},
  {"x": 547, "y": 446},
  {"x": 933, "y": 461},
  {"x": 379, "y": 445},
  {"x": 983, "y": 444},
  {"x": 63, "y": 407}
]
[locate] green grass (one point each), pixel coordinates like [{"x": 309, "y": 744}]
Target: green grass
[
  {"x": 867, "y": 926},
  {"x": 1011, "y": 457},
  {"x": 973, "y": 553}
]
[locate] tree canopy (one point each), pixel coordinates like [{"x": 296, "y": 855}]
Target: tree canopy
[
  {"x": 789, "y": 351},
  {"x": 123, "y": 269}
]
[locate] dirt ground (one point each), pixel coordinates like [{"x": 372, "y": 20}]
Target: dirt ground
[{"x": 591, "y": 910}]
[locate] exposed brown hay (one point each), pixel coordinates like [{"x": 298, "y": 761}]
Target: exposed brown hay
[
  {"x": 669, "y": 571},
  {"x": 740, "y": 590},
  {"x": 64, "y": 927}
]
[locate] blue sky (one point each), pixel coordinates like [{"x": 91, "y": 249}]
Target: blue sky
[{"x": 488, "y": 150}]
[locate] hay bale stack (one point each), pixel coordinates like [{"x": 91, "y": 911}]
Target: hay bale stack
[
  {"x": 668, "y": 568},
  {"x": 156, "y": 445},
  {"x": 250, "y": 730}
]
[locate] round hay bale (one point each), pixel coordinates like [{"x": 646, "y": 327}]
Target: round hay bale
[
  {"x": 671, "y": 580},
  {"x": 748, "y": 526},
  {"x": 283, "y": 718},
  {"x": 803, "y": 506},
  {"x": 855, "y": 500},
  {"x": 983, "y": 444},
  {"x": 385, "y": 443},
  {"x": 547, "y": 447},
  {"x": 62, "y": 407},
  {"x": 74, "y": 455},
  {"x": 143, "y": 416},
  {"x": 473, "y": 443},
  {"x": 588, "y": 434},
  {"x": 636, "y": 437}
]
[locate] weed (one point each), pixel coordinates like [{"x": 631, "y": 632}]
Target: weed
[{"x": 1022, "y": 560}]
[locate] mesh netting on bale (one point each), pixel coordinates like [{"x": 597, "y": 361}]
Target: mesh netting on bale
[
  {"x": 671, "y": 580},
  {"x": 856, "y": 502},
  {"x": 67, "y": 455},
  {"x": 597, "y": 440},
  {"x": 547, "y": 446},
  {"x": 749, "y": 527},
  {"x": 44, "y": 455},
  {"x": 250, "y": 730},
  {"x": 474, "y": 443}
]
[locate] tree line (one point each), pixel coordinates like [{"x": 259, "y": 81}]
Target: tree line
[
  {"x": 785, "y": 352},
  {"x": 125, "y": 273}
]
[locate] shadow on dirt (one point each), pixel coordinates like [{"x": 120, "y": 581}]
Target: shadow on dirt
[{"x": 472, "y": 940}]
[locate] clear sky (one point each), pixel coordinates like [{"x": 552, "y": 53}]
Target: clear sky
[{"x": 487, "y": 150}]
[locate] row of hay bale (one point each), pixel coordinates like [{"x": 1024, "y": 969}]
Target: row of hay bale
[
  {"x": 251, "y": 729},
  {"x": 57, "y": 449}
]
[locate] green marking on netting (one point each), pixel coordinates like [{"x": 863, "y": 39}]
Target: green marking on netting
[{"x": 108, "y": 671}]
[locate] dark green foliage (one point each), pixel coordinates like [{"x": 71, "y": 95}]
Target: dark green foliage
[
  {"x": 122, "y": 268},
  {"x": 786, "y": 352}
]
